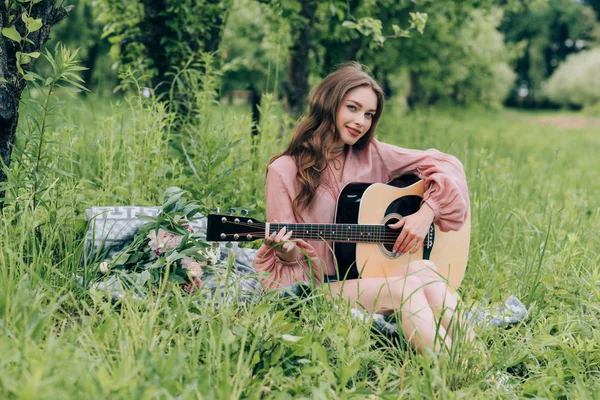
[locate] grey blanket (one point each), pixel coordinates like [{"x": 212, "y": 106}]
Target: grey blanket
[{"x": 112, "y": 228}]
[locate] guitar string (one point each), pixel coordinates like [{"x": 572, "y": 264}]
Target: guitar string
[
  {"x": 328, "y": 229},
  {"x": 261, "y": 236},
  {"x": 377, "y": 229},
  {"x": 385, "y": 237}
]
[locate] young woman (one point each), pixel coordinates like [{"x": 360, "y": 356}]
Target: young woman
[{"x": 333, "y": 146}]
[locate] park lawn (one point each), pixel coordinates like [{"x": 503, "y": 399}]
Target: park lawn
[{"x": 535, "y": 219}]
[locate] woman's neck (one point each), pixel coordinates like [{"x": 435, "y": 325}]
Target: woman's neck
[{"x": 336, "y": 150}]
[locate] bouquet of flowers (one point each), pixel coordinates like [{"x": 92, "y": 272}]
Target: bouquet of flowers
[{"x": 165, "y": 249}]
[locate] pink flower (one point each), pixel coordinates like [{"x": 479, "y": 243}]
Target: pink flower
[
  {"x": 192, "y": 285},
  {"x": 193, "y": 267},
  {"x": 163, "y": 241},
  {"x": 186, "y": 225}
]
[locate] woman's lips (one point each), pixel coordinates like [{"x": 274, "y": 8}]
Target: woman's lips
[{"x": 353, "y": 132}]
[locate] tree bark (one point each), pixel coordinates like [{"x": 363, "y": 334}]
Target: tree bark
[
  {"x": 296, "y": 87},
  {"x": 154, "y": 26},
  {"x": 414, "y": 94},
  {"x": 14, "y": 83},
  {"x": 255, "y": 96}
]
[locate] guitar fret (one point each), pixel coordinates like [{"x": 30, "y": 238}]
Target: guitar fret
[{"x": 335, "y": 232}]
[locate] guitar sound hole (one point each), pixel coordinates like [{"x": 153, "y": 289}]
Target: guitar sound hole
[{"x": 389, "y": 244}]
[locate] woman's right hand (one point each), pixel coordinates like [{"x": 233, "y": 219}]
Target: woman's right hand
[{"x": 280, "y": 241}]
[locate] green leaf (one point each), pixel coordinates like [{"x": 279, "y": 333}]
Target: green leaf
[
  {"x": 419, "y": 19},
  {"x": 34, "y": 54},
  {"x": 12, "y": 34},
  {"x": 32, "y": 24},
  {"x": 142, "y": 278},
  {"x": 23, "y": 58}
]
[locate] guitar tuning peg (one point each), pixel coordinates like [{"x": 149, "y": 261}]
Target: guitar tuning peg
[
  {"x": 217, "y": 210},
  {"x": 244, "y": 212},
  {"x": 231, "y": 211}
]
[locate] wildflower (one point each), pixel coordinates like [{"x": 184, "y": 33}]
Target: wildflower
[
  {"x": 193, "y": 267},
  {"x": 192, "y": 285},
  {"x": 163, "y": 241},
  {"x": 104, "y": 267},
  {"x": 212, "y": 255}
]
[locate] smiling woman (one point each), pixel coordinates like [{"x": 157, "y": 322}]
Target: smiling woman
[
  {"x": 332, "y": 146},
  {"x": 355, "y": 115}
]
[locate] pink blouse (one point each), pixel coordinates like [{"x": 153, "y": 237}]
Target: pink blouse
[{"x": 445, "y": 192}]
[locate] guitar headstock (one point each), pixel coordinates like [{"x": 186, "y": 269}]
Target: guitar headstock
[{"x": 233, "y": 228}]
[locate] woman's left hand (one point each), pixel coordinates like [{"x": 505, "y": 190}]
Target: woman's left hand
[{"x": 414, "y": 229}]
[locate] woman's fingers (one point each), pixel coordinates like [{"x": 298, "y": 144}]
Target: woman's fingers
[
  {"x": 398, "y": 224},
  {"x": 399, "y": 245},
  {"x": 416, "y": 245},
  {"x": 270, "y": 239},
  {"x": 280, "y": 234},
  {"x": 289, "y": 246},
  {"x": 407, "y": 241},
  {"x": 401, "y": 236}
]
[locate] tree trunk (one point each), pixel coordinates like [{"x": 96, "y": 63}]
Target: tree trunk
[
  {"x": 155, "y": 28},
  {"x": 296, "y": 87},
  {"x": 89, "y": 64},
  {"x": 13, "y": 85},
  {"x": 9, "y": 117},
  {"x": 414, "y": 94},
  {"x": 255, "y": 96}
]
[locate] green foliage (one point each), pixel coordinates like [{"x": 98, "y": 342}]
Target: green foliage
[
  {"x": 548, "y": 31},
  {"x": 132, "y": 142},
  {"x": 41, "y": 155},
  {"x": 59, "y": 342},
  {"x": 182, "y": 28},
  {"x": 254, "y": 48},
  {"x": 460, "y": 58},
  {"x": 369, "y": 26},
  {"x": 19, "y": 27},
  {"x": 576, "y": 82},
  {"x": 82, "y": 31}
]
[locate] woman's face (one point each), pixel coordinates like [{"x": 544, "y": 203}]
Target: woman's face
[{"x": 355, "y": 115}]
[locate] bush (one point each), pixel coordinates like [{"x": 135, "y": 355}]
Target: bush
[
  {"x": 462, "y": 62},
  {"x": 576, "y": 82}
]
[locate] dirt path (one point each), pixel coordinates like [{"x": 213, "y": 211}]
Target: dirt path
[{"x": 564, "y": 121}]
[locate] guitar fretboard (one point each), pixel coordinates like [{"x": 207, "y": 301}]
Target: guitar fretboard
[{"x": 339, "y": 232}]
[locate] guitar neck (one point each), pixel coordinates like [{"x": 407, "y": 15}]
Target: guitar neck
[{"x": 337, "y": 232}]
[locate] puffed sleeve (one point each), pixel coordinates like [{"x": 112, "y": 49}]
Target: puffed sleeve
[
  {"x": 280, "y": 191},
  {"x": 446, "y": 190}
]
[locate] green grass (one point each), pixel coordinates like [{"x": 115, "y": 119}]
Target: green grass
[{"x": 535, "y": 216}]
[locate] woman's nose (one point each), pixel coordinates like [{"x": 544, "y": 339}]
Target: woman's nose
[{"x": 359, "y": 120}]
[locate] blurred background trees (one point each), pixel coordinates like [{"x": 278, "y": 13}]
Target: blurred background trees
[{"x": 470, "y": 53}]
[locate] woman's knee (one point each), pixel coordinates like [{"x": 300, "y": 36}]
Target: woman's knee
[
  {"x": 425, "y": 270},
  {"x": 421, "y": 266},
  {"x": 404, "y": 289}
]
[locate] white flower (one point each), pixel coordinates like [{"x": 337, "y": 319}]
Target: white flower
[
  {"x": 104, "y": 267},
  {"x": 212, "y": 255}
]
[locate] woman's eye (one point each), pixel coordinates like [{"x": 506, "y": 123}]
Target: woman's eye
[
  {"x": 369, "y": 115},
  {"x": 351, "y": 107}
]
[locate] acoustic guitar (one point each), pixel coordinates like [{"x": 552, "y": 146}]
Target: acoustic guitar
[{"x": 362, "y": 240}]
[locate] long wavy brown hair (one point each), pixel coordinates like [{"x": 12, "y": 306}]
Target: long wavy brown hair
[{"x": 312, "y": 141}]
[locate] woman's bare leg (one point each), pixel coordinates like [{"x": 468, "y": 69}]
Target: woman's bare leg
[
  {"x": 442, "y": 301},
  {"x": 402, "y": 294}
]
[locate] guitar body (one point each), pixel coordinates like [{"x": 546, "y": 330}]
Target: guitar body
[
  {"x": 378, "y": 203},
  {"x": 362, "y": 239}
]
